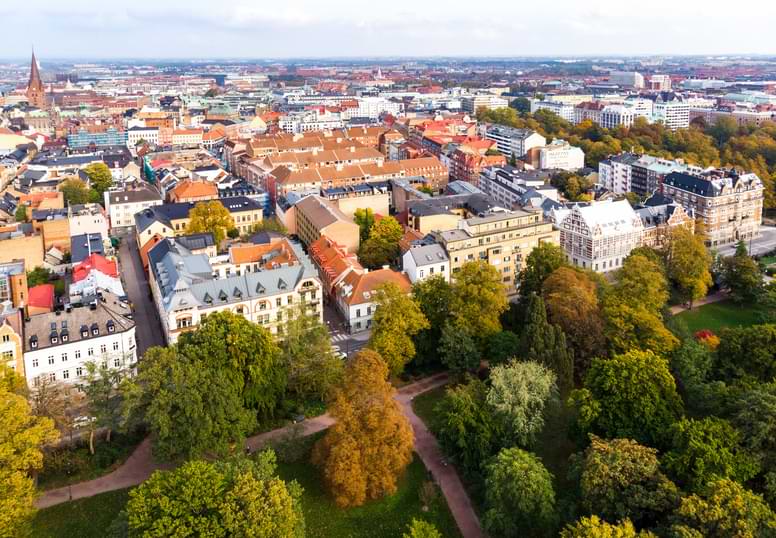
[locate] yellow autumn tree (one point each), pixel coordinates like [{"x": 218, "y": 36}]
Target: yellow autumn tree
[
  {"x": 365, "y": 452},
  {"x": 21, "y": 436}
]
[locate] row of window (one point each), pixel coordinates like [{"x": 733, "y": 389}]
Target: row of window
[
  {"x": 77, "y": 354},
  {"x": 79, "y": 372}
]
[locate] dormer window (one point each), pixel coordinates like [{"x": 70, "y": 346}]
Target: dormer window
[
  {"x": 95, "y": 329},
  {"x": 34, "y": 341},
  {"x": 84, "y": 331},
  {"x": 54, "y": 337},
  {"x": 111, "y": 326},
  {"x": 65, "y": 336}
]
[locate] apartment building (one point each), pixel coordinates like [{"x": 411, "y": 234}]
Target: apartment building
[
  {"x": 121, "y": 206},
  {"x": 58, "y": 345},
  {"x": 507, "y": 185},
  {"x": 355, "y": 294},
  {"x": 514, "y": 142},
  {"x": 317, "y": 216},
  {"x": 614, "y": 173},
  {"x": 560, "y": 155},
  {"x": 187, "y": 137},
  {"x": 659, "y": 215},
  {"x": 472, "y": 103},
  {"x": 135, "y": 135},
  {"x": 425, "y": 261},
  {"x": 599, "y": 236},
  {"x": 672, "y": 111},
  {"x": 729, "y": 203},
  {"x": 613, "y": 116},
  {"x": 260, "y": 282},
  {"x": 504, "y": 239},
  {"x": 564, "y": 110}
]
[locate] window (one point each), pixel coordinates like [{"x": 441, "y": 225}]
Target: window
[
  {"x": 79, "y": 371},
  {"x": 51, "y": 359},
  {"x": 90, "y": 351},
  {"x": 358, "y": 312},
  {"x": 77, "y": 353},
  {"x": 64, "y": 357},
  {"x": 182, "y": 323},
  {"x": 421, "y": 273},
  {"x": 6, "y": 338},
  {"x": 34, "y": 363},
  {"x": 279, "y": 301},
  {"x": 103, "y": 349},
  {"x": 117, "y": 362},
  {"x": 66, "y": 374},
  {"x": 53, "y": 376}
]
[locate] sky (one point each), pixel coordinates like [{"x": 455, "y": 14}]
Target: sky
[{"x": 61, "y": 29}]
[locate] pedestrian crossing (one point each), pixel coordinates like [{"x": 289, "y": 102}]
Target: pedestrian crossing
[{"x": 339, "y": 337}]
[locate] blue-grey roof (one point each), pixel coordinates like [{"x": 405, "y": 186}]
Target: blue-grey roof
[
  {"x": 81, "y": 246},
  {"x": 428, "y": 254}
]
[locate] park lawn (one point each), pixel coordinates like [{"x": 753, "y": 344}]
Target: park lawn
[
  {"x": 424, "y": 404},
  {"x": 83, "y": 518},
  {"x": 387, "y": 517},
  {"x": 717, "y": 316}
]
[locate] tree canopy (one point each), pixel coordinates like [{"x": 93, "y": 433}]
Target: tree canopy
[
  {"x": 74, "y": 191},
  {"x": 594, "y": 527},
  {"x": 365, "y": 218},
  {"x": 631, "y": 395},
  {"x": 99, "y": 176},
  {"x": 382, "y": 245},
  {"x": 478, "y": 300},
  {"x": 688, "y": 263},
  {"x": 546, "y": 344},
  {"x": 238, "y": 498},
  {"x": 540, "y": 263},
  {"x": 210, "y": 216},
  {"x": 366, "y": 451},
  {"x": 396, "y": 320},
  {"x": 742, "y": 275}
]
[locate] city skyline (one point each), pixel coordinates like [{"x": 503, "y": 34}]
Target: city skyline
[{"x": 306, "y": 29}]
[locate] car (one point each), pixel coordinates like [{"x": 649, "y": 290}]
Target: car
[{"x": 340, "y": 355}]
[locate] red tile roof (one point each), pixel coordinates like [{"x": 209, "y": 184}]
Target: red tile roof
[
  {"x": 42, "y": 296},
  {"x": 95, "y": 261}
]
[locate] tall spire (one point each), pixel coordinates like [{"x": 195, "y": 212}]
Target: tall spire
[{"x": 36, "y": 92}]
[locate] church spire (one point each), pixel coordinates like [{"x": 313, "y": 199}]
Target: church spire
[{"x": 36, "y": 92}]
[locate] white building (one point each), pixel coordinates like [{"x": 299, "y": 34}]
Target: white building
[
  {"x": 628, "y": 79},
  {"x": 122, "y": 205},
  {"x": 599, "y": 236},
  {"x": 641, "y": 107},
  {"x": 260, "y": 282},
  {"x": 507, "y": 185},
  {"x": 564, "y": 110},
  {"x": 374, "y": 107},
  {"x": 673, "y": 112},
  {"x": 615, "y": 173},
  {"x": 613, "y": 116},
  {"x": 661, "y": 83},
  {"x": 511, "y": 141},
  {"x": 472, "y": 103},
  {"x": 88, "y": 219},
  {"x": 136, "y": 134},
  {"x": 422, "y": 262},
  {"x": 58, "y": 345},
  {"x": 560, "y": 155},
  {"x": 355, "y": 295}
]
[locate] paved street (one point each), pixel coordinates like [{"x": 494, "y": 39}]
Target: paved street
[
  {"x": 349, "y": 344},
  {"x": 147, "y": 326},
  {"x": 757, "y": 247}
]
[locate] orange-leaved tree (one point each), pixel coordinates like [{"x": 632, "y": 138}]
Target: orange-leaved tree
[{"x": 365, "y": 452}]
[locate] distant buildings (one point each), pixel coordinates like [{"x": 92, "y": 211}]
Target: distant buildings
[
  {"x": 514, "y": 142},
  {"x": 122, "y": 205},
  {"x": 560, "y": 155},
  {"x": 36, "y": 92},
  {"x": 627, "y": 79},
  {"x": 472, "y": 103}
]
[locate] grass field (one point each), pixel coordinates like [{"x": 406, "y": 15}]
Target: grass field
[
  {"x": 84, "y": 518},
  {"x": 388, "y": 517},
  {"x": 423, "y": 405},
  {"x": 716, "y": 316}
]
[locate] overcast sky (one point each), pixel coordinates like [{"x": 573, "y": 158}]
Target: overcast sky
[{"x": 315, "y": 28}]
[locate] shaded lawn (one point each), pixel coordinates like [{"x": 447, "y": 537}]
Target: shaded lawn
[
  {"x": 424, "y": 404},
  {"x": 716, "y": 316},
  {"x": 83, "y": 518},
  {"x": 387, "y": 517}
]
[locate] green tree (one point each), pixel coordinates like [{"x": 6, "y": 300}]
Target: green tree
[
  {"x": 365, "y": 452},
  {"x": 39, "y": 275},
  {"x": 239, "y": 498},
  {"x": 631, "y": 395},
  {"x": 421, "y": 529},
  {"x": 312, "y": 368},
  {"x": 100, "y": 178},
  {"x": 621, "y": 479},
  {"x": 478, "y": 300},
  {"x": 704, "y": 449},
  {"x": 747, "y": 353},
  {"x": 382, "y": 246},
  {"x": 519, "y": 498},
  {"x": 192, "y": 409},
  {"x": 571, "y": 299},
  {"x": 22, "y": 435},
  {"x": 594, "y": 527},
  {"x": 755, "y": 418},
  {"x": 245, "y": 352},
  {"x": 632, "y": 326},
  {"x": 502, "y": 346},
  {"x": 271, "y": 224},
  {"x": 21, "y": 213},
  {"x": 458, "y": 350},
  {"x": 546, "y": 344},
  {"x": 210, "y": 216},
  {"x": 434, "y": 296},
  {"x": 103, "y": 398},
  {"x": 466, "y": 427},
  {"x": 519, "y": 394},
  {"x": 365, "y": 218},
  {"x": 521, "y": 104},
  {"x": 742, "y": 276},
  {"x": 641, "y": 281},
  {"x": 396, "y": 320},
  {"x": 541, "y": 262},
  {"x": 74, "y": 191},
  {"x": 688, "y": 263},
  {"x": 724, "y": 509},
  {"x": 691, "y": 364}
]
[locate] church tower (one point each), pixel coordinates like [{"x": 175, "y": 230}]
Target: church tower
[{"x": 36, "y": 92}]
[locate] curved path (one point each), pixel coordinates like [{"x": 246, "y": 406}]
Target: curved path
[{"x": 140, "y": 465}]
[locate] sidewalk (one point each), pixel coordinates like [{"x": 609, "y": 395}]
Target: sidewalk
[{"x": 713, "y": 298}]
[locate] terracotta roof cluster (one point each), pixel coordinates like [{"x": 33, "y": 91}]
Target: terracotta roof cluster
[
  {"x": 359, "y": 288},
  {"x": 269, "y": 255},
  {"x": 95, "y": 262}
]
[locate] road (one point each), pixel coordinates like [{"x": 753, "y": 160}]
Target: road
[
  {"x": 349, "y": 344},
  {"x": 757, "y": 247},
  {"x": 148, "y": 329}
]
